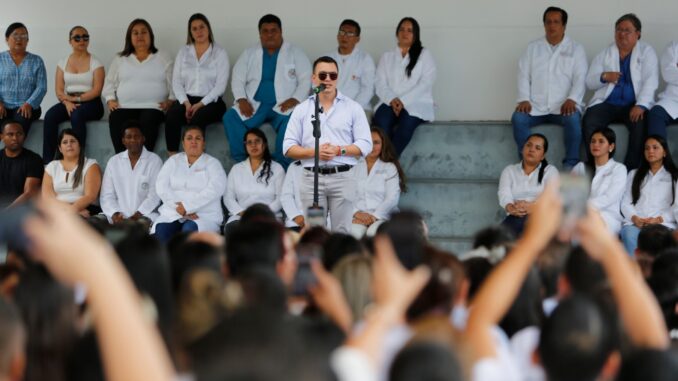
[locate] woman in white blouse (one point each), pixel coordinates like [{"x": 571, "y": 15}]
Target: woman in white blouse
[
  {"x": 380, "y": 181},
  {"x": 190, "y": 185},
  {"x": 78, "y": 83},
  {"x": 520, "y": 184},
  {"x": 138, "y": 85},
  {"x": 72, "y": 178},
  {"x": 650, "y": 192},
  {"x": 608, "y": 177},
  {"x": 404, "y": 85},
  {"x": 257, "y": 179},
  {"x": 200, "y": 76}
]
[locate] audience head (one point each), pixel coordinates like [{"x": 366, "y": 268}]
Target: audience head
[
  {"x": 70, "y": 148},
  {"x": 139, "y": 38},
  {"x": 78, "y": 37},
  {"x": 12, "y": 342},
  {"x": 576, "y": 341},
  {"x": 13, "y": 136},
  {"x": 534, "y": 153},
  {"x": 132, "y": 137},
  {"x": 193, "y": 141},
  {"x": 476, "y": 269},
  {"x": 338, "y": 246},
  {"x": 257, "y": 243},
  {"x": 348, "y": 36},
  {"x": 354, "y": 273},
  {"x": 317, "y": 235},
  {"x": 559, "y": 11},
  {"x": 426, "y": 361},
  {"x": 16, "y": 36},
  {"x": 652, "y": 241},
  {"x": 664, "y": 285},
  {"x": 408, "y": 233},
  {"x": 555, "y": 22},
  {"x": 584, "y": 274},
  {"x": 258, "y": 212},
  {"x": 527, "y": 309},
  {"x": 493, "y": 236},
  {"x": 256, "y": 146},
  {"x": 656, "y": 153},
  {"x": 408, "y": 35},
  {"x": 191, "y": 255},
  {"x": 199, "y": 30},
  {"x": 627, "y": 31},
  {"x": 270, "y": 32},
  {"x": 551, "y": 265}
]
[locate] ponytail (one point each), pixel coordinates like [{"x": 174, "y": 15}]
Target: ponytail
[{"x": 544, "y": 164}]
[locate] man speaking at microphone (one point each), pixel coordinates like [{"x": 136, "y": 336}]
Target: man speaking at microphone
[{"x": 344, "y": 136}]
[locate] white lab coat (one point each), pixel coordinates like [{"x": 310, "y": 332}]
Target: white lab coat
[
  {"x": 356, "y": 76},
  {"x": 607, "y": 190},
  {"x": 644, "y": 74},
  {"x": 128, "y": 190},
  {"x": 515, "y": 185},
  {"x": 416, "y": 91},
  {"x": 198, "y": 187},
  {"x": 655, "y": 199},
  {"x": 290, "y": 195},
  {"x": 246, "y": 188},
  {"x": 292, "y": 76},
  {"x": 378, "y": 191},
  {"x": 548, "y": 77},
  {"x": 669, "y": 67}
]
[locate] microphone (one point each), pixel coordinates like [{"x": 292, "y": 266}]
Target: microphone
[{"x": 318, "y": 89}]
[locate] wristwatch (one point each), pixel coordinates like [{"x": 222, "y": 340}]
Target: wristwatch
[{"x": 343, "y": 151}]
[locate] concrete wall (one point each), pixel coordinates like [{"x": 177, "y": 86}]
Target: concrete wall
[{"x": 476, "y": 44}]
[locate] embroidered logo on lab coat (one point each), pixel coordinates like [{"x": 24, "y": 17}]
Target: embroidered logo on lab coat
[
  {"x": 144, "y": 186},
  {"x": 292, "y": 73}
]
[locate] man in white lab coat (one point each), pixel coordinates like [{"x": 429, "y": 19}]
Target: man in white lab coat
[
  {"x": 128, "y": 187},
  {"x": 624, "y": 77},
  {"x": 268, "y": 81},
  {"x": 551, "y": 85},
  {"x": 356, "y": 67}
]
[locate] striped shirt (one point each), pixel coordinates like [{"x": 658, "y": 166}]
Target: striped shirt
[{"x": 26, "y": 83}]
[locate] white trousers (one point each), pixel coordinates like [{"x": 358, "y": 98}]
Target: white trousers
[{"x": 336, "y": 194}]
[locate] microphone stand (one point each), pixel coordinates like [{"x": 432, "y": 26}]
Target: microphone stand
[{"x": 315, "y": 213}]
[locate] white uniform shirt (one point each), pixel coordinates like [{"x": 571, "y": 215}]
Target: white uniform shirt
[
  {"x": 356, "y": 76},
  {"x": 344, "y": 124},
  {"x": 644, "y": 74},
  {"x": 416, "y": 91},
  {"x": 246, "y": 188},
  {"x": 515, "y": 185},
  {"x": 607, "y": 190},
  {"x": 656, "y": 196},
  {"x": 198, "y": 187},
  {"x": 548, "y": 77},
  {"x": 137, "y": 84},
  {"x": 128, "y": 190},
  {"x": 79, "y": 82},
  {"x": 669, "y": 67},
  {"x": 206, "y": 78},
  {"x": 378, "y": 191},
  {"x": 292, "y": 76},
  {"x": 290, "y": 195},
  {"x": 62, "y": 180}
]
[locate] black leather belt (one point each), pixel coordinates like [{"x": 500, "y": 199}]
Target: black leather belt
[{"x": 331, "y": 170}]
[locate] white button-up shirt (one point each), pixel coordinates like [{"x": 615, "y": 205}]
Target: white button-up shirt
[
  {"x": 669, "y": 67},
  {"x": 378, "y": 190},
  {"x": 515, "y": 185},
  {"x": 246, "y": 188},
  {"x": 206, "y": 78},
  {"x": 344, "y": 124},
  {"x": 607, "y": 189},
  {"x": 644, "y": 74},
  {"x": 416, "y": 91},
  {"x": 198, "y": 187},
  {"x": 356, "y": 75},
  {"x": 547, "y": 77},
  {"x": 656, "y": 196},
  {"x": 290, "y": 195},
  {"x": 127, "y": 190}
]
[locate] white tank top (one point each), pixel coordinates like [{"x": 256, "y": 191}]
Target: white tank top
[{"x": 79, "y": 82}]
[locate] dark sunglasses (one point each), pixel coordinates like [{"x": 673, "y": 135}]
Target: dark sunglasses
[
  {"x": 323, "y": 75},
  {"x": 78, "y": 37}
]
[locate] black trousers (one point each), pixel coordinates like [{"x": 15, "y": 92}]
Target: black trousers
[
  {"x": 148, "y": 118},
  {"x": 601, "y": 115},
  {"x": 176, "y": 119}
]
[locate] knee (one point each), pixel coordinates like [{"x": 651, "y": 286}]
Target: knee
[
  {"x": 520, "y": 119},
  {"x": 573, "y": 120}
]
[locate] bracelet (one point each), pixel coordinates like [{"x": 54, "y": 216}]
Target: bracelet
[{"x": 338, "y": 151}]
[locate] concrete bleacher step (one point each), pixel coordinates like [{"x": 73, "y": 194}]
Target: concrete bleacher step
[{"x": 452, "y": 168}]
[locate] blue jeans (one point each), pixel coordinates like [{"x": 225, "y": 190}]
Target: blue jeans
[
  {"x": 90, "y": 110},
  {"x": 629, "y": 236},
  {"x": 657, "y": 120},
  {"x": 236, "y": 129},
  {"x": 522, "y": 122},
  {"x": 386, "y": 119},
  {"x": 165, "y": 231}
]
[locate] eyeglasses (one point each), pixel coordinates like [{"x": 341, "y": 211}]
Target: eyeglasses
[
  {"x": 20, "y": 37},
  {"x": 343, "y": 33},
  {"x": 79, "y": 37},
  {"x": 624, "y": 31},
  {"x": 333, "y": 75}
]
